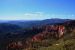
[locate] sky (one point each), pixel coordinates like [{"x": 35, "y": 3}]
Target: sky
[{"x": 36, "y": 9}]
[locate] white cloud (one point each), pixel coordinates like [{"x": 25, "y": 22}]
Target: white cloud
[
  {"x": 37, "y": 15},
  {"x": 34, "y": 14}
]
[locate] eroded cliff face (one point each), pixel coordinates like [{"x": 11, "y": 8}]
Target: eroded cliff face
[
  {"x": 55, "y": 31},
  {"x": 49, "y": 32}
]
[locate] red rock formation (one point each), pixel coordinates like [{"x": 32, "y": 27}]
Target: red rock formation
[
  {"x": 57, "y": 31},
  {"x": 61, "y": 30},
  {"x": 15, "y": 45},
  {"x": 37, "y": 37}
]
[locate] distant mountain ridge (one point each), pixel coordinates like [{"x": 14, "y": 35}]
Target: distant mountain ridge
[{"x": 28, "y": 24}]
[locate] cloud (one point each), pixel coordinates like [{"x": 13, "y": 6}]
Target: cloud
[
  {"x": 34, "y": 14},
  {"x": 37, "y": 15}
]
